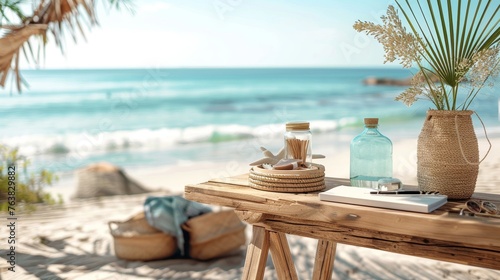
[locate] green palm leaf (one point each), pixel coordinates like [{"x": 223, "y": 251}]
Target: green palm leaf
[{"x": 453, "y": 37}]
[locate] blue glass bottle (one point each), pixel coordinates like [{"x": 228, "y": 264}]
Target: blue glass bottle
[{"x": 371, "y": 156}]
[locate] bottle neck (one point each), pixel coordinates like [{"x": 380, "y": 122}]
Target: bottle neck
[{"x": 371, "y": 130}]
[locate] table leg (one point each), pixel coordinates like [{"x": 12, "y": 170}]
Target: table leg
[
  {"x": 323, "y": 263},
  {"x": 282, "y": 258},
  {"x": 256, "y": 258}
]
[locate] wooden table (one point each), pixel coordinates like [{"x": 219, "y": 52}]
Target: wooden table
[{"x": 441, "y": 235}]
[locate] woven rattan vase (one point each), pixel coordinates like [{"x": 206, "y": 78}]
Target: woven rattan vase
[{"x": 448, "y": 154}]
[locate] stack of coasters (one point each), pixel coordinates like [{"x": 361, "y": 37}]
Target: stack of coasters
[{"x": 290, "y": 181}]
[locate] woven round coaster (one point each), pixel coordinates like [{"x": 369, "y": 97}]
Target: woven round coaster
[
  {"x": 315, "y": 171},
  {"x": 287, "y": 189},
  {"x": 279, "y": 185},
  {"x": 285, "y": 180},
  {"x": 290, "y": 181}
]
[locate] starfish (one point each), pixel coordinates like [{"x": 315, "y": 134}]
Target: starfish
[
  {"x": 272, "y": 159},
  {"x": 269, "y": 157}
]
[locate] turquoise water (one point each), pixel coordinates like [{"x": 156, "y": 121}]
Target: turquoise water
[{"x": 149, "y": 117}]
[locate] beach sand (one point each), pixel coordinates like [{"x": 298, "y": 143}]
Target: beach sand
[{"x": 73, "y": 241}]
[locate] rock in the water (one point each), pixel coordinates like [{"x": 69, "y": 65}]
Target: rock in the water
[{"x": 372, "y": 81}]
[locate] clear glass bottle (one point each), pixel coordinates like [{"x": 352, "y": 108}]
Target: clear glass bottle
[
  {"x": 371, "y": 156},
  {"x": 298, "y": 142}
]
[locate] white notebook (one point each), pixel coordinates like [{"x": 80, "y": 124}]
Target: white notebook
[{"x": 424, "y": 203}]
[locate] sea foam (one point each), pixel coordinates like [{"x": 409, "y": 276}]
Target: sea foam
[{"x": 148, "y": 139}]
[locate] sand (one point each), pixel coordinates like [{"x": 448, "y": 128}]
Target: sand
[{"x": 73, "y": 241}]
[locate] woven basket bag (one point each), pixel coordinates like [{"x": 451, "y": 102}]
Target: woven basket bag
[
  {"x": 215, "y": 234},
  {"x": 448, "y": 154},
  {"x": 136, "y": 240}
]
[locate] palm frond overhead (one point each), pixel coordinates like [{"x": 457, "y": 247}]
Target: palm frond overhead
[
  {"x": 10, "y": 46},
  {"x": 50, "y": 17}
]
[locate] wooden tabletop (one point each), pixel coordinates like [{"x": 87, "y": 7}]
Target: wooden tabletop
[{"x": 442, "y": 234}]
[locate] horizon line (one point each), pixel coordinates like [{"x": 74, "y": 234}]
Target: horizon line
[{"x": 224, "y": 67}]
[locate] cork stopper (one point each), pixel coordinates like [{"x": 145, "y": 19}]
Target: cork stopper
[
  {"x": 297, "y": 126},
  {"x": 371, "y": 122}
]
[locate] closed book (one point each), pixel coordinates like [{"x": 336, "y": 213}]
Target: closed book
[{"x": 424, "y": 203}]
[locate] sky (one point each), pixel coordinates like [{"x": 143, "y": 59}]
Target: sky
[{"x": 227, "y": 33}]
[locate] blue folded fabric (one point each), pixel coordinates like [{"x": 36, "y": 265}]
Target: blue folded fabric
[{"x": 168, "y": 213}]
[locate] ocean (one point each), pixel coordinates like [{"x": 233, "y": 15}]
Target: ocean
[{"x": 68, "y": 119}]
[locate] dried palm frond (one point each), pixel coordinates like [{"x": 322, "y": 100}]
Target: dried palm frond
[
  {"x": 56, "y": 17},
  {"x": 10, "y": 46}
]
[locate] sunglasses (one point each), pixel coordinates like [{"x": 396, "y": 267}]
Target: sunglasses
[{"x": 479, "y": 207}]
